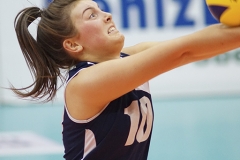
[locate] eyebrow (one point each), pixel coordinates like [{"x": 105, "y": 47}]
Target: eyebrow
[
  {"x": 89, "y": 8},
  {"x": 86, "y": 10}
]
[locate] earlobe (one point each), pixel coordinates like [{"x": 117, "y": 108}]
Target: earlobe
[{"x": 72, "y": 46}]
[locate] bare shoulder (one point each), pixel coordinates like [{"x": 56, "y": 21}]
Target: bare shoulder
[{"x": 79, "y": 102}]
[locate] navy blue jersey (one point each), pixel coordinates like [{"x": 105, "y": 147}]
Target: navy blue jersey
[{"x": 121, "y": 131}]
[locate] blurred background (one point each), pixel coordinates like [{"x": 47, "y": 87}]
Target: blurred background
[{"x": 197, "y": 106}]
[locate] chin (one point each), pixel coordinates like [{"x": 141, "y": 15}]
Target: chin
[
  {"x": 122, "y": 42},
  {"x": 122, "y": 38}
]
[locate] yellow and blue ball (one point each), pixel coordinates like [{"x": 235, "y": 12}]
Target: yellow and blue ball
[{"x": 225, "y": 11}]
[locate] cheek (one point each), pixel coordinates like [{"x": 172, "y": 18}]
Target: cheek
[
  {"x": 92, "y": 33},
  {"x": 89, "y": 29},
  {"x": 92, "y": 28}
]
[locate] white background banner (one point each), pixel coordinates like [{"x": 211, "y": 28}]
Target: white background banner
[{"x": 139, "y": 20}]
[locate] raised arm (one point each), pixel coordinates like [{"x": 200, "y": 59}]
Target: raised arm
[{"x": 108, "y": 80}]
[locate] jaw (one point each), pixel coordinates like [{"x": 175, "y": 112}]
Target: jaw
[{"x": 104, "y": 52}]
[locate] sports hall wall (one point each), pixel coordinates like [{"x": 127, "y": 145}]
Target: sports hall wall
[{"x": 139, "y": 20}]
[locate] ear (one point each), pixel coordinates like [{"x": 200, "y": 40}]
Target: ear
[{"x": 72, "y": 46}]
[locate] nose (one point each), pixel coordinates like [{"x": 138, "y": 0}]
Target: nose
[{"x": 108, "y": 17}]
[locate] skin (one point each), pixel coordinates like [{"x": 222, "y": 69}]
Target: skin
[
  {"x": 114, "y": 76},
  {"x": 94, "y": 39}
]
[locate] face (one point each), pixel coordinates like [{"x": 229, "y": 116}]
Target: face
[{"x": 98, "y": 34}]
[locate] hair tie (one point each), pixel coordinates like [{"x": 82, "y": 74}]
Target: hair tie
[{"x": 40, "y": 13}]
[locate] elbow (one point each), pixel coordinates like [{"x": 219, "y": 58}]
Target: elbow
[{"x": 187, "y": 57}]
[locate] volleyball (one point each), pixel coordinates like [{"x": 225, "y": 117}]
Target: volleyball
[{"x": 225, "y": 11}]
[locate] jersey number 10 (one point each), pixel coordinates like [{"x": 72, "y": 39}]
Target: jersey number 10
[{"x": 136, "y": 130}]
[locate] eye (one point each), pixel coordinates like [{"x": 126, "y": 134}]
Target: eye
[{"x": 93, "y": 15}]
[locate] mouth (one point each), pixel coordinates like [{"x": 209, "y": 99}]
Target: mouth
[{"x": 111, "y": 30}]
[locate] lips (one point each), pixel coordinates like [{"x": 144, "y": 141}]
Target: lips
[{"x": 111, "y": 29}]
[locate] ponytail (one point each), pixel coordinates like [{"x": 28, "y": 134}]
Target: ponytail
[{"x": 44, "y": 56}]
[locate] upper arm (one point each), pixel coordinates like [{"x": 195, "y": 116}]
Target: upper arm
[{"x": 94, "y": 87}]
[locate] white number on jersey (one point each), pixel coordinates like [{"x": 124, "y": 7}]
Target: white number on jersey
[{"x": 147, "y": 119}]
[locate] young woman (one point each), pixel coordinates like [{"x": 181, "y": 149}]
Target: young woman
[{"x": 108, "y": 107}]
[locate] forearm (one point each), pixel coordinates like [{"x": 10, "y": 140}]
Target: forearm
[{"x": 211, "y": 41}]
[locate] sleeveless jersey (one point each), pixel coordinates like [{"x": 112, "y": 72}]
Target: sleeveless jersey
[{"x": 121, "y": 131}]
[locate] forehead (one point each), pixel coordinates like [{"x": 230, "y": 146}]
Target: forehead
[{"x": 81, "y": 6}]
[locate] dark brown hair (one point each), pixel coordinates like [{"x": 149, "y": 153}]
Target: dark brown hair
[{"x": 45, "y": 56}]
